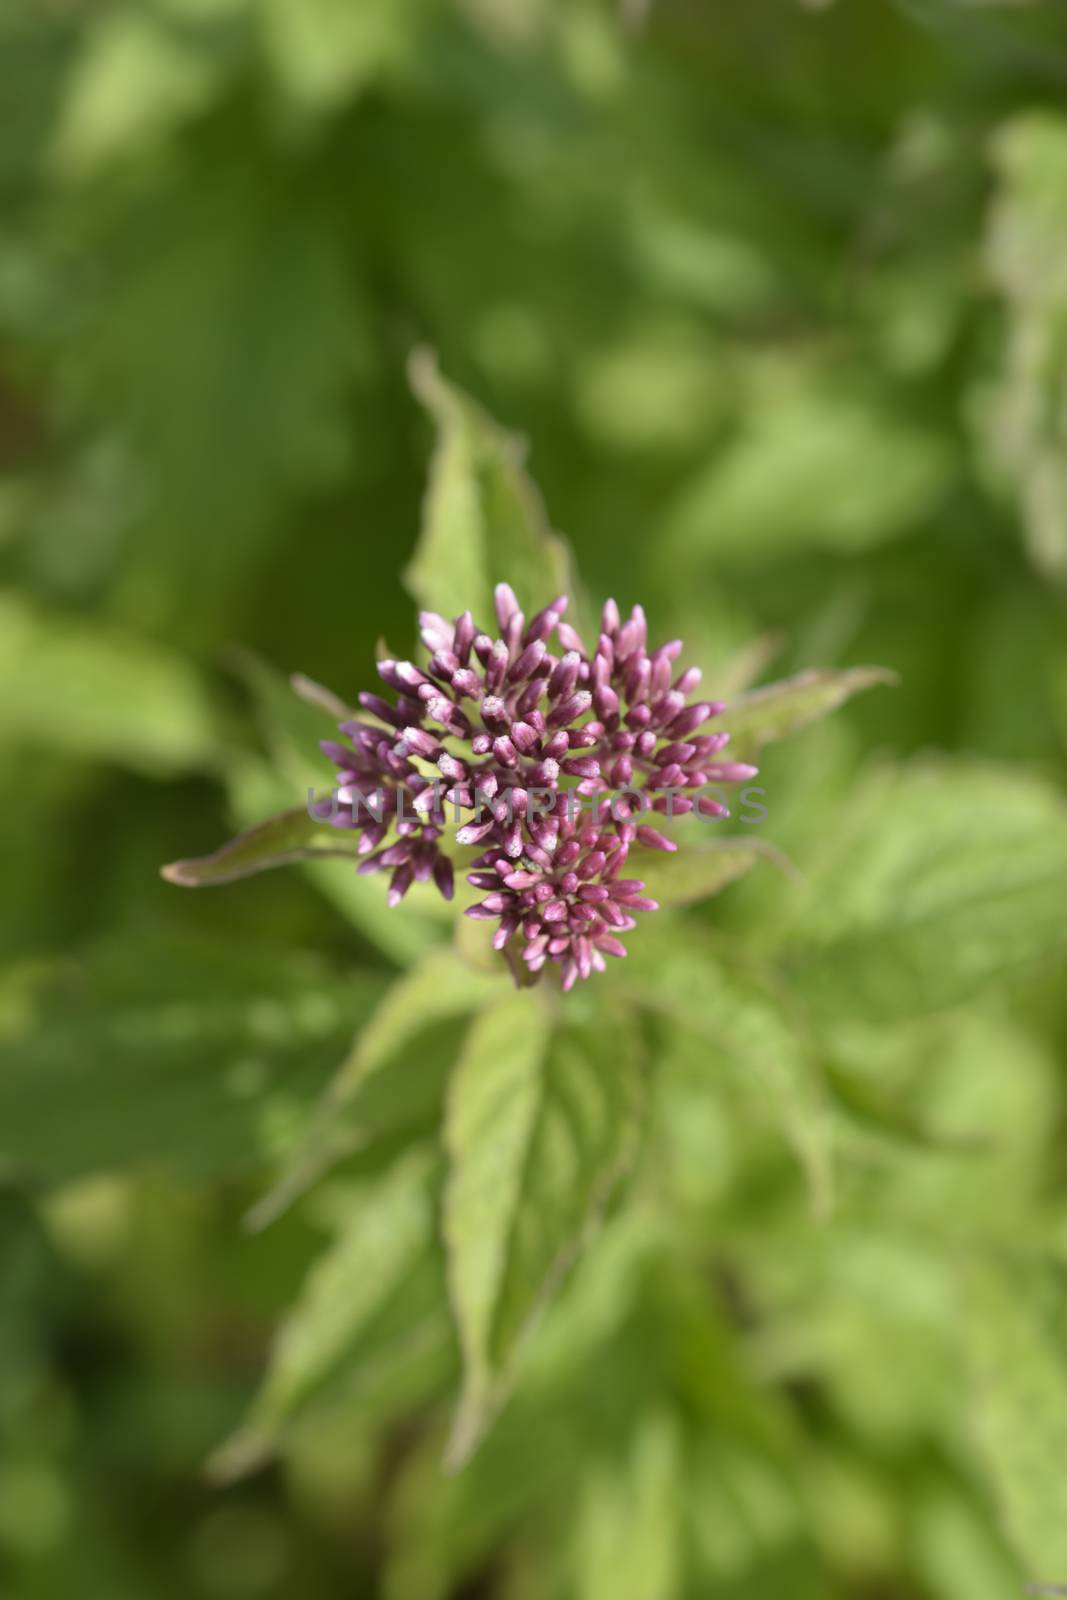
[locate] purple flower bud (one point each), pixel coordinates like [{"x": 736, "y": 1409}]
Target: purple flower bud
[
  {"x": 528, "y": 662},
  {"x": 506, "y": 603},
  {"x": 475, "y": 832},
  {"x": 542, "y": 625},
  {"x": 564, "y": 676},
  {"x": 400, "y": 883},
  {"x": 606, "y": 702},
  {"x": 569, "y": 638},
  {"x": 668, "y": 754},
  {"x": 730, "y": 772},
  {"x": 545, "y": 773},
  {"x": 581, "y": 767},
  {"x": 443, "y": 877},
  {"x": 435, "y": 631},
  {"x": 421, "y": 742},
  {"x": 550, "y": 871},
  {"x": 381, "y": 708},
  {"x": 526, "y": 704},
  {"x": 452, "y": 767},
  {"x": 496, "y": 667},
  {"x": 463, "y": 637},
  {"x": 654, "y": 840},
  {"x": 693, "y": 717},
  {"x": 576, "y": 705}
]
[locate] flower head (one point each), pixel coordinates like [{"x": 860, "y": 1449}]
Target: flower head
[{"x": 557, "y": 752}]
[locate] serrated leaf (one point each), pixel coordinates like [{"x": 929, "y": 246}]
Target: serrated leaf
[
  {"x": 344, "y": 1326},
  {"x": 290, "y": 836},
  {"x": 183, "y": 1053},
  {"x": 402, "y": 933},
  {"x": 684, "y": 980},
  {"x": 393, "y": 1077},
  {"x": 940, "y": 881},
  {"x": 1017, "y": 1332},
  {"x": 540, "y": 1126},
  {"x": 483, "y": 520},
  {"x": 295, "y": 714},
  {"x": 95, "y": 690},
  {"x": 763, "y": 716},
  {"x": 698, "y": 870}
]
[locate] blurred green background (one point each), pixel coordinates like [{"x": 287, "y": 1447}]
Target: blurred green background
[{"x": 777, "y": 295}]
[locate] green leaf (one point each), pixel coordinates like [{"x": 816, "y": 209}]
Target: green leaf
[
  {"x": 324, "y": 52},
  {"x": 403, "y": 932},
  {"x": 290, "y": 836},
  {"x": 938, "y": 882},
  {"x": 697, "y": 871},
  {"x": 812, "y": 469},
  {"x": 541, "y": 1123},
  {"x": 95, "y": 690},
  {"x": 393, "y": 1078},
  {"x": 294, "y": 715},
  {"x": 483, "y": 520},
  {"x": 135, "y": 80},
  {"x": 367, "y": 1308},
  {"x": 184, "y": 1053},
  {"x": 763, "y": 716},
  {"x": 627, "y": 1534},
  {"x": 683, "y": 979},
  {"x": 1027, "y": 237},
  {"x": 1017, "y": 1331}
]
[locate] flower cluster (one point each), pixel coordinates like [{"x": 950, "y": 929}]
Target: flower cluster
[{"x": 559, "y": 753}]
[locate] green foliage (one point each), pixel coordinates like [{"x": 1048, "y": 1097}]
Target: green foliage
[
  {"x": 1016, "y": 1314},
  {"x": 290, "y": 836},
  {"x": 739, "y": 1270},
  {"x": 540, "y": 1125},
  {"x": 1026, "y": 234},
  {"x": 482, "y": 516}
]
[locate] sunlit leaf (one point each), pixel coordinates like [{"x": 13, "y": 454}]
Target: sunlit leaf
[
  {"x": 393, "y": 1077},
  {"x": 684, "y": 980},
  {"x": 813, "y": 469},
  {"x": 627, "y": 1538},
  {"x": 937, "y": 882},
  {"x": 763, "y": 716},
  {"x": 344, "y": 1329},
  {"x": 189, "y": 1055},
  {"x": 483, "y": 521},
  {"x": 1027, "y": 235},
  {"x": 540, "y": 1126},
  {"x": 1016, "y": 1324},
  {"x": 700, "y": 868}
]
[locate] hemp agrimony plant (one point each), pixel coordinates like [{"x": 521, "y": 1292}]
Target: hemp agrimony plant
[
  {"x": 553, "y": 775},
  {"x": 527, "y": 736}
]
